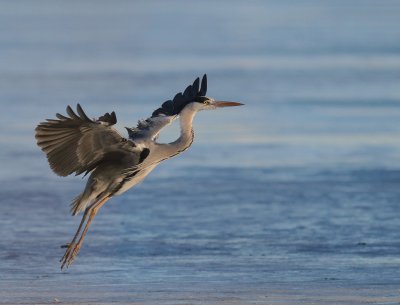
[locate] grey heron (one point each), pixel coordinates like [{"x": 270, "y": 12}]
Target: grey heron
[{"x": 80, "y": 145}]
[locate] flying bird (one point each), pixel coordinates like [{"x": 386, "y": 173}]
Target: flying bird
[{"x": 74, "y": 143}]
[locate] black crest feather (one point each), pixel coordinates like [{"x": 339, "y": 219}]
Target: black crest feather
[{"x": 175, "y": 106}]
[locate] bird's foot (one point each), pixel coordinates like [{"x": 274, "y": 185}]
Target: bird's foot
[{"x": 70, "y": 254}]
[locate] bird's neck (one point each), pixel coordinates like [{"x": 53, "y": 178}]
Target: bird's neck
[
  {"x": 185, "y": 139},
  {"x": 186, "y": 122}
]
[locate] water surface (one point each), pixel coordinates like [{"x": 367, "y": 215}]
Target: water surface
[{"x": 293, "y": 198}]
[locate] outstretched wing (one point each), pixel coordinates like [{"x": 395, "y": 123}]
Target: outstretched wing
[
  {"x": 79, "y": 144},
  {"x": 168, "y": 111}
]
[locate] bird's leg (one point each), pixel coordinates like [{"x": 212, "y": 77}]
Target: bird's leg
[
  {"x": 77, "y": 247},
  {"x": 72, "y": 243},
  {"x": 73, "y": 248}
]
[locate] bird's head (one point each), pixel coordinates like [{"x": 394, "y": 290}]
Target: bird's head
[
  {"x": 193, "y": 98},
  {"x": 208, "y": 103}
]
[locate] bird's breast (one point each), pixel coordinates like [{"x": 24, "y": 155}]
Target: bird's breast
[{"x": 128, "y": 182}]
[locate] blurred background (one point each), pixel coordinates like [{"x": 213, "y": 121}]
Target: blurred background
[{"x": 299, "y": 187}]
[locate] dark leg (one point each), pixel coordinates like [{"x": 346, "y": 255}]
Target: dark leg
[
  {"x": 72, "y": 243},
  {"x": 73, "y": 247}
]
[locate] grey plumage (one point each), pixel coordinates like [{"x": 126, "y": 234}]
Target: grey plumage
[{"x": 77, "y": 144}]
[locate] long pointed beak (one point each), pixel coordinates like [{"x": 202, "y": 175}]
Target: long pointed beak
[{"x": 221, "y": 104}]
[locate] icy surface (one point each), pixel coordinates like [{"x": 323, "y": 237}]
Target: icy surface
[{"x": 292, "y": 199}]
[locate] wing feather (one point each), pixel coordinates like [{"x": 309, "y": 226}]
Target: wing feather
[
  {"x": 75, "y": 143},
  {"x": 81, "y": 113}
]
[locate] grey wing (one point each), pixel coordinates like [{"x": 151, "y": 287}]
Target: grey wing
[
  {"x": 149, "y": 129},
  {"x": 79, "y": 144}
]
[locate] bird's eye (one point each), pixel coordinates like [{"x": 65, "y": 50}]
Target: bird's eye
[{"x": 207, "y": 102}]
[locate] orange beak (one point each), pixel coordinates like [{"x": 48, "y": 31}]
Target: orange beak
[{"x": 221, "y": 104}]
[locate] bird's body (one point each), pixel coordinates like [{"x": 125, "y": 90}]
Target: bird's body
[{"x": 77, "y": 144}]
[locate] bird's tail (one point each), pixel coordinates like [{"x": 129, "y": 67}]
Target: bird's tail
[
  {"x": 76, "y": 204},
  {"x": 83, "y": 200}
]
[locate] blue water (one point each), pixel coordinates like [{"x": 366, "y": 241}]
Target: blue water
[{"x": 299, "y": 187}]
